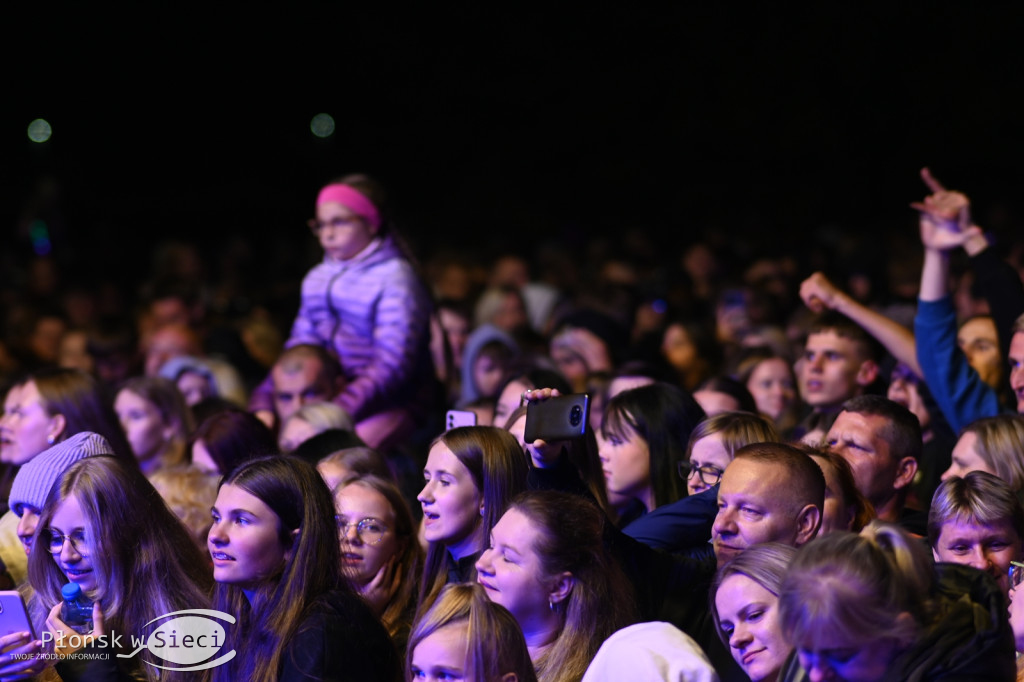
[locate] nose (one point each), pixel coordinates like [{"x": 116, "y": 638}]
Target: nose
[
  {"x": 351, "y": 534},
  {"x": 817, "y": 674},
  {"x": 981, "y": 561},
  {"x": 216, "y": 536},
  {"x": 27, "y": 523},
  {"x": 426, "y": 495},
  {"x": 68, "y": 553},
  {"x": 724, "y": 523},
  {"x": 740, "y": 637},
  {"x": 815, "y": 363},
  {"x": 484, "y": 564}
]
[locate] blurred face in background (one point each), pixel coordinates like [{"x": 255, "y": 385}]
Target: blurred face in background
[{"x": 772, "y": 385}]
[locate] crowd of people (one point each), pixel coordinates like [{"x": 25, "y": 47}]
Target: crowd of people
[{"x": 777, "y": 478}]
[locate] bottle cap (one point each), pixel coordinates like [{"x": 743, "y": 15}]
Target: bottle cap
[{"x": 71, "y": 591}]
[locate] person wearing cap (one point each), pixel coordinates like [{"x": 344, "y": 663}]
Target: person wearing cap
[{"x": 33, "y": 482}]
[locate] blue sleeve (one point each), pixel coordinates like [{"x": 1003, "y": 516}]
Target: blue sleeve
[
  {"x": 679, "y": 526},
  {"x": 958, "y": 390}
]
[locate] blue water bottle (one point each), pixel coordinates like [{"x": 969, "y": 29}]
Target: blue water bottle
[{"x": 77, "y": 609}]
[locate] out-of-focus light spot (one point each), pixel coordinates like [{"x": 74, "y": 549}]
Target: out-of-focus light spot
[
  {"x": 322, "y": 125},
  {"x": 39, "y": 130},
  {"x": 39, "y": 233},
  {"x": 659, "y": 306}
]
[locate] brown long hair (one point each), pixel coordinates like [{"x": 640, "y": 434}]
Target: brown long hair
[
  {"x": 495, "y": 644},
  {"x": 397, "y": 613},
  {"x": 498, "y": 467},
  {"x": 295, "y": 492},
  {"x": 170, "y": 404},
  {"x": 84, "y": 403},
  {"x": 601, "y": 601}
]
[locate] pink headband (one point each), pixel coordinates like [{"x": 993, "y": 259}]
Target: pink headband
[{"x": 352, "y": 199}]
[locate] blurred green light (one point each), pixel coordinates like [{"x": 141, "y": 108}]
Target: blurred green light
[
  {"x": 322, "y": 125},
  {"x": 39, "y": 130}
]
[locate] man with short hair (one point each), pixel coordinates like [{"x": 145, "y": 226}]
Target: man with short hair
[
  {"x": 303, "y": 374},
  {"x": 770, "y": 492},
  {"x": 881, "y": 440},
  {"x": 978, "y": 521},
  {"x": 840, "y": 360},
  {"x": 307, "y": 373}
]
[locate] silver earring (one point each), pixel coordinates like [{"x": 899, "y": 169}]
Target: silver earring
[
  {"x": 551, "y": 605},
  {"x": 50, "y": 439}
]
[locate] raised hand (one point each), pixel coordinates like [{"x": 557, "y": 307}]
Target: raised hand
[
  {"x": 944, "y": 205},
  {"x": 819, "y": 294},
  {"x": 937, "y": 235}
]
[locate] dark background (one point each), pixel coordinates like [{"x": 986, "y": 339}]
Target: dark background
[{"x": 500, "y": 127}]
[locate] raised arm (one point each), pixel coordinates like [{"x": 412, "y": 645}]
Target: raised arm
[
  {"x": 820, "y": 294},
  {"x": 959, "y": 391}
]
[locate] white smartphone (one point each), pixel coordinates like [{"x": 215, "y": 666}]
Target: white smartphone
[{"x": 459, "y": 418}]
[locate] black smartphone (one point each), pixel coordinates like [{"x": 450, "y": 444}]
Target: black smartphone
[
  {"x": 561, "y": 418},
  {"x": 459, "y": 418}
]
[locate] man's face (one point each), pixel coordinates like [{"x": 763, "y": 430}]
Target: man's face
[
  {"x": 979, "y": 341},
  {"x": 168, "y": 342},
  {"x": 832, "y": 370},
  {"x": 753, "y": 507},
  {"x": 297, "y": 384},
  {"x": 1017, "y": 369},
  {"x": 855, "y": 437},
  {"x": 986, "y": 547}
]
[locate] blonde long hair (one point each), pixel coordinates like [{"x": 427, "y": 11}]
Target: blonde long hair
[{"x": 494, "y": 643}]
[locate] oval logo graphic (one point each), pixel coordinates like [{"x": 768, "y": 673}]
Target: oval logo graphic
[{"x": 186, "y": 639}]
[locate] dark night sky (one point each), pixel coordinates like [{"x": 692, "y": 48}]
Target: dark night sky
[{"x": 503, "y": 125}]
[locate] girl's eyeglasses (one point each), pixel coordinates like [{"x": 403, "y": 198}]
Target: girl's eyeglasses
[
  {"x": 76, "y": 538},
  {"x": 370, "y": 530}
]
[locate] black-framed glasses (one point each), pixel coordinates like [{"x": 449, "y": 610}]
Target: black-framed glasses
[
  {"x": 709, "y": 475},
  {"x": 1016, "y": 573},
  {"x": 76, "y": 538},
  {"x": 370, "y": 530},
  {"x": 336, "y": 223}
]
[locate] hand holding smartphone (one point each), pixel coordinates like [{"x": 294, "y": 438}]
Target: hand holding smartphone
[{"x": 558, "y": 418}]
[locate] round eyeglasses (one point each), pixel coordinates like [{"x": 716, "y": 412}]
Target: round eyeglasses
[
  {"x": 709, "y": 475},
  {"x": 370, "y": 530},
  {"x": 76, "y": 538},
  {"x": 337, "y": 223}
]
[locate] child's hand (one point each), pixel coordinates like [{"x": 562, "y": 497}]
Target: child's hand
[
  {"x": 379, "y": 591},
  {"x": 62, "y": 632}
]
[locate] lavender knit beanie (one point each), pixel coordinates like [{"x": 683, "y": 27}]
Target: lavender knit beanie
[{"x": 35, "y": 478}]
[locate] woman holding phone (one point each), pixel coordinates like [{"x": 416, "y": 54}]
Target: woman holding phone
[{"x": 106, "y": 528}]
